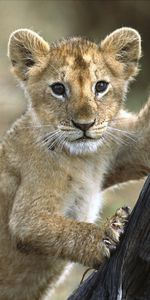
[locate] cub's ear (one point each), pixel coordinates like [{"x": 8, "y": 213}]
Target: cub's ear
[
  {"x": 26, "y": 49},
  {"x": 125, "y": 45}
]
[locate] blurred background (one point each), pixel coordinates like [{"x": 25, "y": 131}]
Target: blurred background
[{"x": 57, "y": 19}]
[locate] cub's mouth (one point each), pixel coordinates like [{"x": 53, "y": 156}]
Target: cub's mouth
[
  {"x": 84, "y": 138},
  {"x": 84, "y": 142}
]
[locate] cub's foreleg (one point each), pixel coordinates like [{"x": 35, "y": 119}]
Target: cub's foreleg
[{"x": 56, "y": 236}]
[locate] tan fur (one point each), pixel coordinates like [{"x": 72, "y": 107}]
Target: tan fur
[{"x": 51, "y": 182}]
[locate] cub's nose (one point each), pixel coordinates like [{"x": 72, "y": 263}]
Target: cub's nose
[{"x": 83, "y": 126}]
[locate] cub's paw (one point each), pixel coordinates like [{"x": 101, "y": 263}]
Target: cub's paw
[
  {"x": 113, "y": 228},
  {"x": 104, "y": 240}
]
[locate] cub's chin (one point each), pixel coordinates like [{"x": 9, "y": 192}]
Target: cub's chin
[{"x": 83, "y": 146}]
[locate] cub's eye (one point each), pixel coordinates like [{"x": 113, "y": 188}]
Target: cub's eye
[
  {"x": 101, "y": 86},
  {"x": 58, "y": 89}
]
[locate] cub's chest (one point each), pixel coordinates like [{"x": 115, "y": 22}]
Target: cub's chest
[
  {"x": 84, "y": 201},
  {"x": 70, "y": 186}
]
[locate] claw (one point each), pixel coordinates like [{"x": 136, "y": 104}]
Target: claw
[
  {"x": 127, "y": 209},
  {"x": 109, "y": 245},
  {"x": 107, "y": 242}
]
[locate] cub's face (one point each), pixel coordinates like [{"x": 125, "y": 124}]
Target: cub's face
[{"x": 76, "y": 87}]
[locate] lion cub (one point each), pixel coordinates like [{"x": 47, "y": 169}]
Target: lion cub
[{"x": 74, "y": 140}]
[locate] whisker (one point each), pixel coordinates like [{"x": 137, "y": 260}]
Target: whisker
[
  {"x": 114, "y": 128},
  {"x": 54, "y": 143},
  {"x": 50, "y": 135},
  {"x": 44, "y": 140},
  {"x": 62, "y": 140},
  {"x": 116, "y": 139},
  {"x": 127, "y": 134}
]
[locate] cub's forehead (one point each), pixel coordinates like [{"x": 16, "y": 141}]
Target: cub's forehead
[
  {"x": 77, "y": 58},
  {"x": 76, "y": 52}
]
